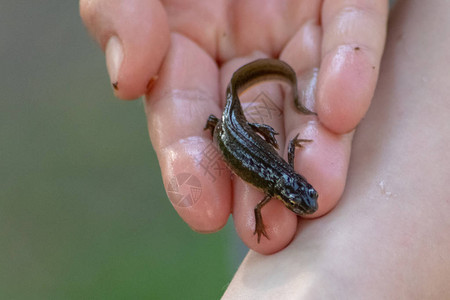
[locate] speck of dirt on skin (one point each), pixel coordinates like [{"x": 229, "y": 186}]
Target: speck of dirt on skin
[
  {"x": 115, "y": 85},
  {"x": 151, "y": 82}
]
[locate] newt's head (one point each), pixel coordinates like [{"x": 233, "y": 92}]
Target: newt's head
[{"x": 297, "y": 194}]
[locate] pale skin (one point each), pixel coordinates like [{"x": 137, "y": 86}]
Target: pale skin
[
  {"x": 181, "y": 54},
  {"x": 389, "y": 237}
]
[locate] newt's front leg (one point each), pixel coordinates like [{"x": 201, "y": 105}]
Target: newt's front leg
[
  {"x": 259, "y": 225},
  {"x": 295, "y": 142}
]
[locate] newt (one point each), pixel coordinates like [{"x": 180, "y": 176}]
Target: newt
[{"x": 249, "y": 148}]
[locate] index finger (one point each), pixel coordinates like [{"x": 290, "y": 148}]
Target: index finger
[
  {"x": 135, "y": 37},
  {"x": 196, "y": 180}
]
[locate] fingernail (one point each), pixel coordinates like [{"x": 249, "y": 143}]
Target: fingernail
[
  {"x": 307, "y": 84},
  {"x": 114, "y": 58}
]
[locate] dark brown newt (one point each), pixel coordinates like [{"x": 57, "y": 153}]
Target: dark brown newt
[{"x": 248, "y": 148}]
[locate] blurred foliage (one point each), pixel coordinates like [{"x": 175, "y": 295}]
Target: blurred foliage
[{"x": 83, "y": 212}]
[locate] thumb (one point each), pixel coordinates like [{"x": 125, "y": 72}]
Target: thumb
[{"x": 134, "y": 34}]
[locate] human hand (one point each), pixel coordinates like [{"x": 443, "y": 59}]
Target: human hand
[
  {"x": 182, "y": 54},
  {"x": 389, "y": 236}
]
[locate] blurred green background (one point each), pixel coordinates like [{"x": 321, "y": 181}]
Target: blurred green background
[{"x": 83, "y": 213}]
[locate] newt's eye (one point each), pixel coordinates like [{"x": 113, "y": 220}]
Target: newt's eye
[{"x": 313, "y": 194}]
